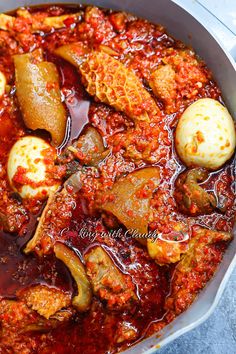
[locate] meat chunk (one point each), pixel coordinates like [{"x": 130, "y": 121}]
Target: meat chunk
[
  {"x": 16, "y": 314},
  {"x": 13, "y": 217},
  {"x": 55, "y": 217},
  {"x": 181, "y": 75},
  {"x": 17, "y": 319},
  {"x": 108, "y": 282},
  {"x": 162, "y": 82},
  {"x": 168, "y": 248},
  {"x": 129, "y": 199},
  {"x": 142, "y": 142},
  {"x": 112, "y": 83},
  {"x": 44, "y": 110},
  {"x": 46, "y": 301},
  {"x": 191, "y": 198},
  {"x": 96, "y": 26},
  {"x": 83, "y": 299},
  {"x": 60, "y": 21},
  {"x": 37, "y": 22},
  {"x": 89, "y": 148},
  {"x": 195, "y": 268},
  {"x": 126, "y": 331},
  {"x": 6, "y": 22}
]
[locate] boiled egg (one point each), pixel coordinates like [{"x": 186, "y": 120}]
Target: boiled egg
[
  {"x": 205, "y": 134},
  {"x": 29, "y": 161}
]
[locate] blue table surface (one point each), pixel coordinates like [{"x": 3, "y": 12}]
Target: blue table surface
[
  {"x": 215, "y": 336},
  {"x": 218, "y": 334}
]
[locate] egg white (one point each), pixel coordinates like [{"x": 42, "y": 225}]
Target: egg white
[
  {"x": 205, "y": 134},
  {"x": 27, "y": 152}
]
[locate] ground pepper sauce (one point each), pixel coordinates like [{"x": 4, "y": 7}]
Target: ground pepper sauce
[{"x": 140, "y": 46}]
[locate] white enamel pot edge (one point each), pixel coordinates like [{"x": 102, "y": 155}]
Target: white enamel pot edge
[{"x": 185, "y": 27}]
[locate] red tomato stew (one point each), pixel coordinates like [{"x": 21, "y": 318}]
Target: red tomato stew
[{"x": 117, "y": 187}]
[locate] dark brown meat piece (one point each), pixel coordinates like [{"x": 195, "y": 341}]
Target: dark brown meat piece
[
  {"x": 195, "y": 268},
  {"x": 191, "y": 198},
  {"x": 89, "y": 148},
  {"x": 108, "y": 282}
]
